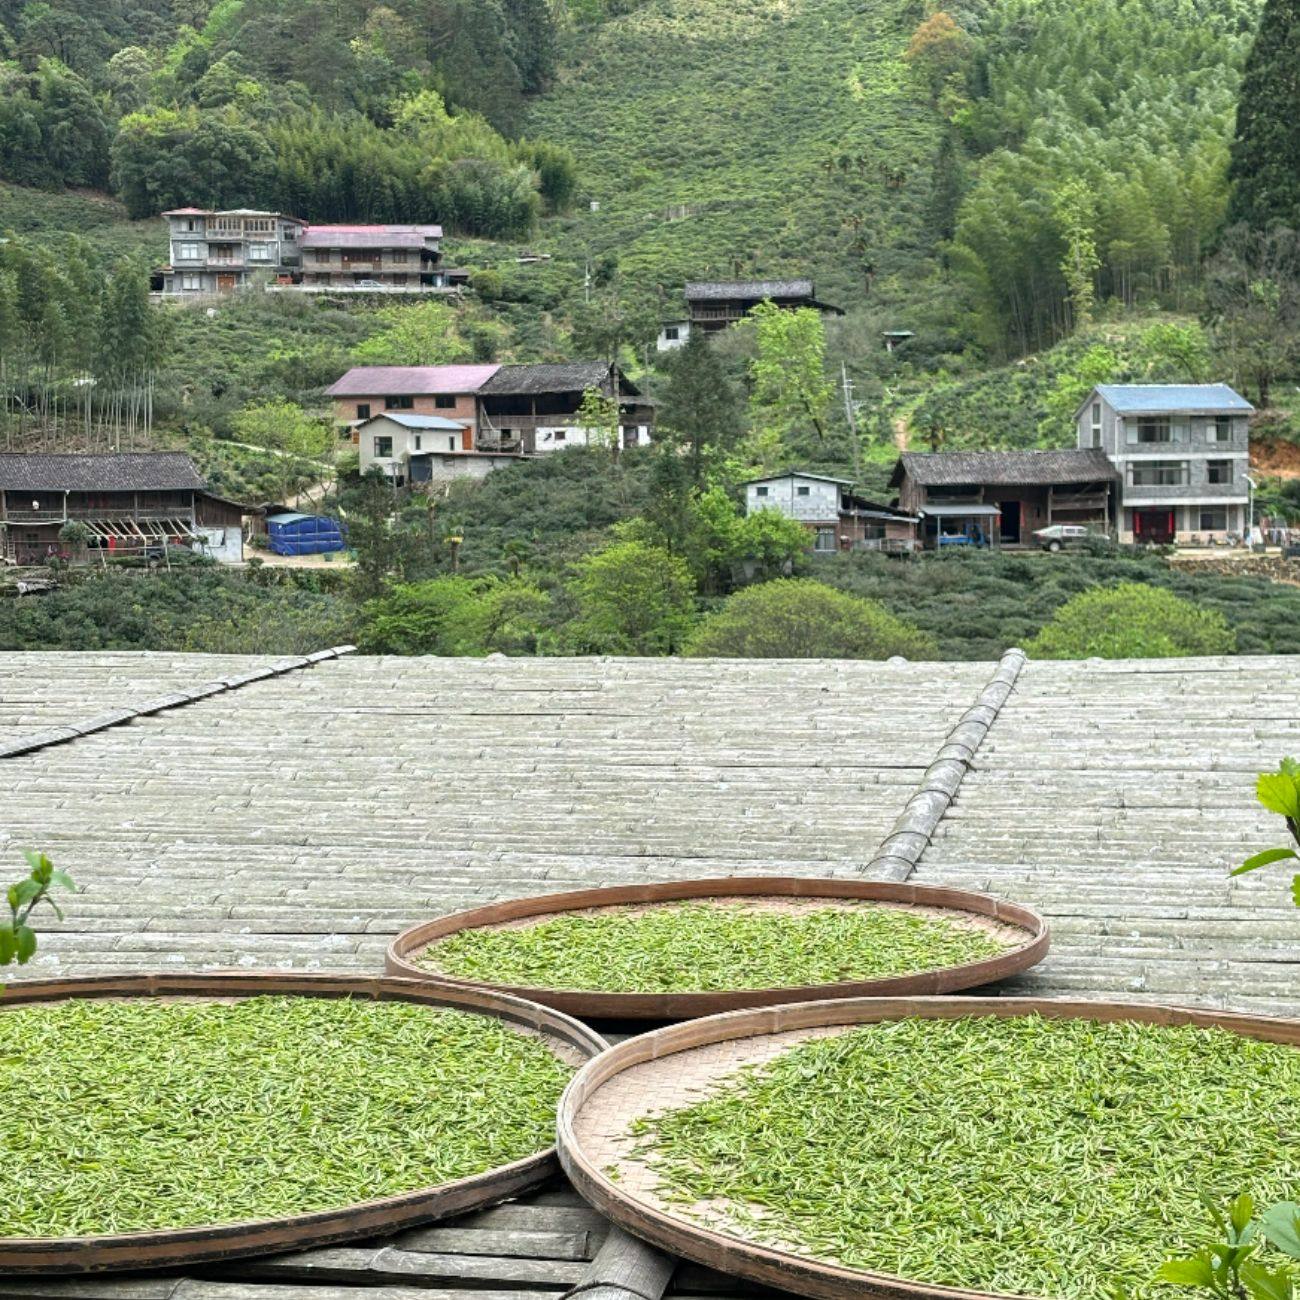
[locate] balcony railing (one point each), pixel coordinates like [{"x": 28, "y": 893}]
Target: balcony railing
[
  {"x": 77, "y": 512},
  {"x": 227, "y": 261}
]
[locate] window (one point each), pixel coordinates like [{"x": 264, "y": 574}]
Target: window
[
  {"x": 803, "y": 490},
  {"x": 191, "y": 282},
  {"x": 1159, "y": 473},
  {"x": 1221, "y": 429},
  {"x": 451, "y": 443},
  {"x": 1214, "y": 520},
  {"x": 418, "y": 442},
  {"x": 397, "y": 256},
  {"x": 383, "y": 447},
  {"x": 1150, "y": 428},
  {"x": 445, "y": 401},
  {"x": 560, "y": 435},
  {"x": 1218, "y": 471},
  {"x": 761, "y": 491},
  {"x": 1096, "y": 424},
  {"x": 188, "y": 252},
  {"x": 363, "y": 410},
  {"x": 826, "y": 540},
  {"x": 259, "y": 252},
  {"x": 399, "y": 403},
  {"x": 671, "y": 333}
]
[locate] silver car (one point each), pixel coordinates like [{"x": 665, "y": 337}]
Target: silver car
[{"x": 1061, "y": 535}]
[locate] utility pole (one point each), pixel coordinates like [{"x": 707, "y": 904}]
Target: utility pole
[{"x": 852, "y": 416}]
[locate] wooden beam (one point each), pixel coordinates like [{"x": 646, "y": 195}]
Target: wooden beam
[{"x": 626, "y": 1269}]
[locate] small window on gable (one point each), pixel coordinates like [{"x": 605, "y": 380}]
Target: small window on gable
[{"x": 803, "y": 490}]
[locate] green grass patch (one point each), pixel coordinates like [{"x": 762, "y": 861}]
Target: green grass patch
[
  {"x": 698, "y": 947},
  {"x": 146, "y": 1114},
  {"x": 1040, "y": 1157}
]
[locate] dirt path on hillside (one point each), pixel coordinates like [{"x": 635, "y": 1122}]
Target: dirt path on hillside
[{"x": 902, "y": 432}]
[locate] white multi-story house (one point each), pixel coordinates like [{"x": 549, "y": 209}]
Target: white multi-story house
[{"x": 1182, "y": 452}]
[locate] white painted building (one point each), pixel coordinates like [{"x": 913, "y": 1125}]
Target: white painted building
[
  {"x": 414, "y": 448},
  {"x": 673, "y": 335},
  {"x": 829, "y": 509}
]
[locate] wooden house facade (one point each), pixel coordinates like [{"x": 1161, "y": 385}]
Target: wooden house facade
[
  {"x": 131, "y": 503},
  {"x": 1000, "y": 498}
]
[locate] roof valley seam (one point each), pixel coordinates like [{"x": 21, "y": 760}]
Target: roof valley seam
[
  {"x": 162, "y": 703},
  {"x": 901, "y": 849}
]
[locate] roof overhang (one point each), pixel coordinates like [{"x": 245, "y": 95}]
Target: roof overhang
[{"x": 974, "y": 510}]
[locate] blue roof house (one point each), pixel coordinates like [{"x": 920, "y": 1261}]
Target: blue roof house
[{"x": 1182, "y": 452}]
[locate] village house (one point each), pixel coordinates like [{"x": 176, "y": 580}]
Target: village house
[
  {"x": 1182, "y": 453},
  {"x": 132, "y": 504},
  {"x": 219, "y": 251},
  {"x": 837, "y": 518},
  {"x": 447, "y": 391},
  {"x": 412, "y": 448},
  {"x": 1000, "y": 498},
  {"x": 534, "y": 409},
  {"x": 716, "y": 304}
]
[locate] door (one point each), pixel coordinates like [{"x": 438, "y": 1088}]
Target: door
[
  {"x": 1010, "y": 520},
  {"x": 1154, "y": 526},
  {"x": 225, "y": 284}
]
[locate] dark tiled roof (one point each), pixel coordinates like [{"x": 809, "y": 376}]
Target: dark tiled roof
[
  {"x": 568, "y": 377},
  {"x": 1033, "y": 468},
  {"x": 130, "y": 471},
  {"x": 724, "y": 290}
]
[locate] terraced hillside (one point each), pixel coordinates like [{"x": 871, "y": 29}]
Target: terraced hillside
[{"x": 747, "y": 136}]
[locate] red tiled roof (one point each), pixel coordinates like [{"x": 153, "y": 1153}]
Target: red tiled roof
[{"x": 410, "y": 381}]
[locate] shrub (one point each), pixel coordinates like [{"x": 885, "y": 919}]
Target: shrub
[
  {"x": 455, "y": 616},
  {"x": 802, "y": 619},
  {"x": 632, "y": 598},
  {"x": 1132, "y": 621}
]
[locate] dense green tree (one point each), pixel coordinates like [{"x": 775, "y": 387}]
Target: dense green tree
[
  {"x": 1265, "y": 168},
  {"x": 700, "y": 409},
  {"x": 1252, "y": 296},
  {"x": 1132, "y": 621},
  {"x": 418, "y": 334},
  {"x": 455, "y": 616},
  {"x": 632, "y": 598},
  {"x": 52, "y": 130},
  {"x": 789, "y": 384},
  {"x": 803, "y": 619}
]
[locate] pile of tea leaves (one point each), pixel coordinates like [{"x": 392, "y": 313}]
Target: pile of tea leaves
[
  {"x": 144, "y": 1114},
  {"x": 1027, "y": 1156},
  {"x": 690, "y": 947}
]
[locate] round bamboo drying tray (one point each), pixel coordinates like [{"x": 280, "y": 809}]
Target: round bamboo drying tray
[
  {"x": 593, "y": 1004},
  {"x": 656, "y": 1069},
  {"x": 184, "y": 1246}
]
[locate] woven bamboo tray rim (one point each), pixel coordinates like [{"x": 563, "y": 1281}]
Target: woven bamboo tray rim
[
  {"x": 172, "y": 1247},
  {"x": 598, "y": 1005},
  {"x": 786, "y": 1269}
]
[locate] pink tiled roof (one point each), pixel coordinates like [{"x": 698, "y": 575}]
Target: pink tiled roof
[
  {"x": 410, "y": 381},
  {"x": 369, "y": 236}
]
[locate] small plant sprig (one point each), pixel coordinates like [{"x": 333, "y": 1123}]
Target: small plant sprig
[
  {"x": 1231, "y": 1268},
  {"x": 17, "y": 938},
  {"x": 1279, "y": 792}
]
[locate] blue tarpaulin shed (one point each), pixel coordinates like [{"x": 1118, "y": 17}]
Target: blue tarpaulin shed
[{"x": 295, "y": 534}]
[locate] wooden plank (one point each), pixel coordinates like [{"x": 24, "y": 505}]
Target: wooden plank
[
  {"x": 521, "y": 1216},
  {"x": 362, "y": 1266},
  {"x": 197, "y": 1290},
  {"x": 510, "y": 1243},
  {"x": 94, "y": 1288},
  {"x": 627, "y": 1268}
]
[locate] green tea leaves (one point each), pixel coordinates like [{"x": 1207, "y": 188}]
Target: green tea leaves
[
  {"x": 159, "y": 1114},
  {"x": 1264, "y": 859},
  {"x": 1281, "y": 1225},
  {"x": 689, "y": 947}
]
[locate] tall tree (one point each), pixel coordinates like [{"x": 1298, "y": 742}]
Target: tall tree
[
  {"x": 700, "y": 410},
  {"x": 790, "y": 384},
  {"x": 1265, "y": 169}
]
